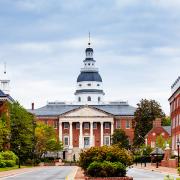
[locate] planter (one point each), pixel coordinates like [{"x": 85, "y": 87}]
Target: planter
[{"x": 109, "y": 178}]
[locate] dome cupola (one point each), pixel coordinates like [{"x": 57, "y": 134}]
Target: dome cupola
[{"x": 89, "y": 82}]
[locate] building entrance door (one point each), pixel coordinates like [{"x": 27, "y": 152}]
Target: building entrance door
[{"x": 86, "y": 142}]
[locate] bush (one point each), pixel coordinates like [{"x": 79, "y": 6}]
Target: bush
[
  {"x": 8, "y": 159},
  {"x": 105, "y": 153},
  {"x": 10, "y": 163},
  {"x": 2, "y": 164},
  {"x": 106, "y": 169}
]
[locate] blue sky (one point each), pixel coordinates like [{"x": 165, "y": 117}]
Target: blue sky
[{"x": 136, "y": 44}]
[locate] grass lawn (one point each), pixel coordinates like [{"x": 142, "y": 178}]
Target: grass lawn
[{"x": 11, "y": 168}]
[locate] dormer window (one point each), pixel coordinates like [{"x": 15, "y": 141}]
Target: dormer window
[
  {"x": 79, "y": 99},
  {"x": 99, "y": 99},
  {"x": 89, "y": 64}
]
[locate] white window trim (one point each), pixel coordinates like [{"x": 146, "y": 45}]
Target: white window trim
[
  {"x": 105, "y": 125},
  {"x": 118, "y": 121},
  {"x": 95, "y": 126},
  {"x": 77, "y": 127},
  {"x": 66, "y": 127},
  {"x": 128, "y": 124},
  {"x": 64, "y": 140},
  {"x": 105, "y": 140},
  {"x": 88, "y": 125}
]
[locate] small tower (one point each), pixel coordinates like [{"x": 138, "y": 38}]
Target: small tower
[
  {"x": 89, "y": 82},
  {"x": 4, "y": 81}
]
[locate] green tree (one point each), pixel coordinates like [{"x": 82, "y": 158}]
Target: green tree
[
  {"x": 21, "y": 123},
  {"x": 120, "y": 138},
  {"x": 4, "y": 134},
  {"x": 146, "y": 112},
  {"x": 46, "y": 140},
  {"x": 166, "y": 121}
]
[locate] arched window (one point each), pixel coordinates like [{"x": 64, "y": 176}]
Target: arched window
[
  {"x": 79, "y": 99},
  {"x": 99, "y": 99},
  {"x": 89, "y": 98}
]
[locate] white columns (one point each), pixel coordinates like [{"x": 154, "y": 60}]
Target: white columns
[
  {"x": 91, "y": 134},
  {"x": 60, "y": 130},
  {"x": 70, "y": 136},
  {"x": 102, "y": 133},
  {"x": 80, "y": 135},
  {"x": 112, "y": 128}
]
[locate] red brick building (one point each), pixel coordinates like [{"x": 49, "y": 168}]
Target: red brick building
[
  {"x": 88, "y": 121},
  {"x": 174, "y": 101},
  {"x": 156, "y": 131}
]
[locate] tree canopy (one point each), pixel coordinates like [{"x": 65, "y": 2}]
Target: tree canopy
[
  {"x": 120, "y": 138},
  {"x": 146, "y": 112}
]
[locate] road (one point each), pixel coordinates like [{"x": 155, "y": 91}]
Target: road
[
  {"x": 140, "y": 174},
  {"x": 49, "y": 173}
]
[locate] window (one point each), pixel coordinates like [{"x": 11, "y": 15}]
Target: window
[
  {"x": 95, "y": 125},
  {"x": 127, "y": 124},
  {"x": 107, "y": 125},
  {"x": 55, "y": 124},
  {"x": 98, "y": 84},
  {"x": 66, "y": 125},
  {"x": 89, "y": 64},
  {"x": 89, "y": 98},
  {"x": 106, "y": 140},
  {"x": 118, "y": 124},
  {"x": 89, "y": 84},
  {"x": 77, "y": 125},
  {"x": 66, "y": 141},
  {"x": 86, "y": 125},
  {"x": 79, "y": 99},
  {"x": 99, "y": 99},
  {"x": 80, "y": 85},
  {"x": 152, "y": 144}
]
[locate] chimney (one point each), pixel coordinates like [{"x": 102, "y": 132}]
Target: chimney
[
  {"x": 32, "y": 106},
  {"x": 157, "y": 122}
]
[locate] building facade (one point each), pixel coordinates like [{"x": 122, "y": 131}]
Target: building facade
[
  {"x": 88, "y": 121},
  {"x": 157, "y": 130},
  {"x": 174, "y": 101}
]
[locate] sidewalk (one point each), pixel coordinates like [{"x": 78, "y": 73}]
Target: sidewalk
[
  {"x": 17, "y": 171},
  {"x": 164, "y": 170},
  {"x": 79, "y": 174}
]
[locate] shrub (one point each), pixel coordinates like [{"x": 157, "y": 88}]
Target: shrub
[
  {"x": 9, "y": 163},
  {"x": 2, "y": 164},
  {"x": 106, "y": 169},
  {"x": 8, "y": 159},
  {"x": 105, "y": 153}
]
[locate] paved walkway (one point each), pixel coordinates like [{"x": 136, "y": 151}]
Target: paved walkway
[
  {"x": 161, "y": 169},
  {"x": 79, "y": 174}
]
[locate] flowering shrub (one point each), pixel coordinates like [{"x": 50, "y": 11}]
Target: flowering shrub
[{"x": 95, "y": 157}]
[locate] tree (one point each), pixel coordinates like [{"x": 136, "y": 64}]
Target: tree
[
  {"x": 21, "y": 131},
  {"x": 145, "y": 113},
  {"x": 45, "y": 138},
  {"x": 166, "y": 121},
  {"x": 120, "y": 138}
]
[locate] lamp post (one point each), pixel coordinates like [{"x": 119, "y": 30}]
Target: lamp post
[
  {"x": 178, "y": 143},
  {"x": 156, "y": 157},
  {"x": 19, "y": 147}
]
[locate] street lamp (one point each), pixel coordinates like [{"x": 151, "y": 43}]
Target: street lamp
[
  {"x": 178, "y": 143},
  {"x": 156, "y": 157},
  {"x": 19, "y": 147}
]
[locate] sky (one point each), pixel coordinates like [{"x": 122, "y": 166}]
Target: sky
[{"x": 136, "y": 47}]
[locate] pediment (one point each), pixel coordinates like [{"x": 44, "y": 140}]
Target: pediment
[{"x": 86, "y": 112}]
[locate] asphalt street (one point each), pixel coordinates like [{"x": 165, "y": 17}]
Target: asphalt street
[
  {"x": 140, "y": 174},
  {"x": 49, "y": 173}
]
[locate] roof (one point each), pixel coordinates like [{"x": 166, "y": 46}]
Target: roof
[
  {"x": 89, "y": 59},
  {"x": 2, "y": 94},
  {"x": 6, "y": 96},
  {"x": 58, "y": 109},
  {"x": 168, "y": 129},
  {"x": 89, "y": 76},
  {"x": 157, "y": 150},
  {"x": 89, "y": 91}
]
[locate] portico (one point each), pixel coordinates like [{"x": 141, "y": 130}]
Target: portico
[{"x": 86, "y": 127}]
